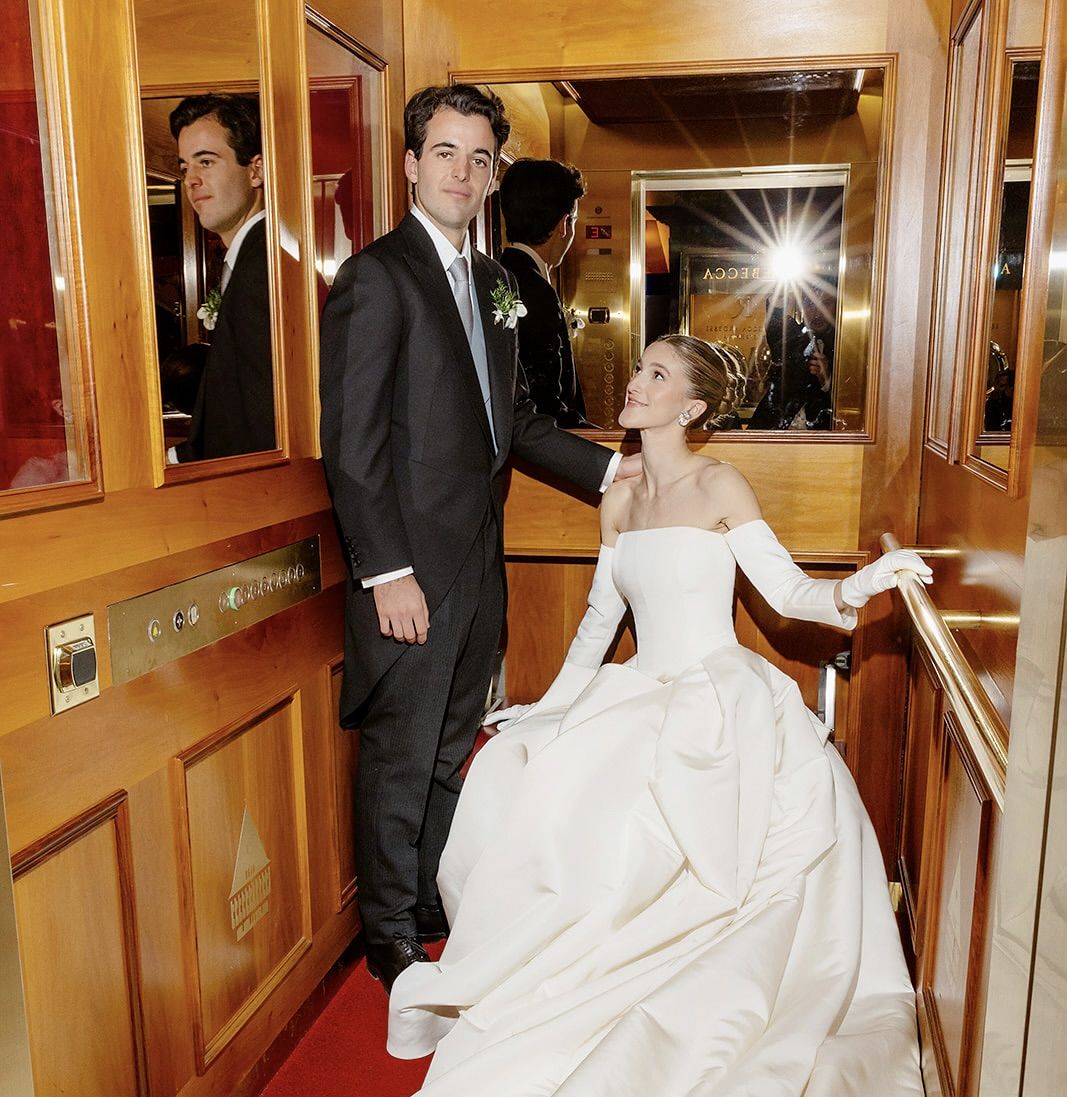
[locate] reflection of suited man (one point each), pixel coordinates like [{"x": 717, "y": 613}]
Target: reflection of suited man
[
  {"x": 219, "y": 152},
  {"x": 539, "y": 201},
  {"x": 422, "y": 402},
  {"x": 234, "y": 410}
]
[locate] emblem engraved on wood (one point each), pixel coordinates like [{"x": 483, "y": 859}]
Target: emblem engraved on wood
[{"x": 250, "y": 890}]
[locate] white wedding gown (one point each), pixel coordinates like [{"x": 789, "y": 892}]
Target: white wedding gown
[{"x": 670, "y": 889}]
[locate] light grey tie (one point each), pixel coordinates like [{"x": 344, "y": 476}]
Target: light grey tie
[
  {"x": 461, "y": 290},
  {"x": 459, "y": 275},
  {"x": 224, "y": 281}
]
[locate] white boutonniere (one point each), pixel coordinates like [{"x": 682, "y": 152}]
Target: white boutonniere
[
  {"x": 507, "y": 307},
  {"x": 208, "y": 312},
  {"x": 574, "y": 321}
]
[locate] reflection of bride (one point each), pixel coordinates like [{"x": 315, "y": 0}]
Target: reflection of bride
[{"x": 660, "y": 879}]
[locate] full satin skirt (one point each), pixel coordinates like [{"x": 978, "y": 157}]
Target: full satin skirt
[{"x": 670, "y": 889}]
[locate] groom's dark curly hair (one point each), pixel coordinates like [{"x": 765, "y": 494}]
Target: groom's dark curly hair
[
  {"x": 237, "y": 114},
  {"x": 462, "y": 98}
]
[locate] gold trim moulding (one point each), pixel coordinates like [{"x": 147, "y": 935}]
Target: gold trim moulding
[{"x": 983, "y": 730}]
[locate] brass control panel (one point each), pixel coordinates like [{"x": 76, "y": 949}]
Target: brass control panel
[
  {"x": 72, "y": 671},
  {"x": 153, "y": 629}
]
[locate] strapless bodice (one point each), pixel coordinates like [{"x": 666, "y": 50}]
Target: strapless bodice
[{"x": 679, "y": 582}]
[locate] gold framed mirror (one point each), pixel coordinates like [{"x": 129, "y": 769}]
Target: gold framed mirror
[
  {"x": 733, "y": 160},
  {"x": 993, "y": 394},
  {"x": 209, "y": 236},
  {"x": 954, "y": 306}
]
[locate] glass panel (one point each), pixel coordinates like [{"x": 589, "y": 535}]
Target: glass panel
[
  {"x": 42, "y": 422},
  {"x": 997, "y": 381},
  {"x": 953, "y": 305},
  {"x": 688, "y": 175},
  {"x": 347, "y": 185},
  {"x": 205, "y": 185}
]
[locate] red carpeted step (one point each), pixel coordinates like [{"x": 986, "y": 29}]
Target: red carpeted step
[{"x": 343, "y": 1053}]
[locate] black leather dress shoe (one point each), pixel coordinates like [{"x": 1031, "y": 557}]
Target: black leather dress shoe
[
  {"x": 387, "y": 960},
  {"x": 430, "y": 923}
]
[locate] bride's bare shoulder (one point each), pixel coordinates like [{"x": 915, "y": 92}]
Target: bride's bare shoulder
[{"x": 728, "y": 492}]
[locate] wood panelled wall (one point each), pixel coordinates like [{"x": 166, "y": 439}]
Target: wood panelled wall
[
  {"x": 126, "y": 814},
  {"x": 821, "y": 498},
  {"x": 952, "y": 820}
]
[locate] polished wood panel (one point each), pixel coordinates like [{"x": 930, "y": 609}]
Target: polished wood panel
[
  {"x": 118, "y": 579},
  {"x": 461, "y": 35},
  {"x": 241, "y": 797},
  {"x": 988, "y": 528},
  {"x": 74, "y": 903},
  {"x": 952, "y": 957},
  {"x": 547, "y": 522},
  {"x": 920, "y": 799}
]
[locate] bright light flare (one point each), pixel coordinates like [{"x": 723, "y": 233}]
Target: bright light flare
[{"x": 787, "y": 263}]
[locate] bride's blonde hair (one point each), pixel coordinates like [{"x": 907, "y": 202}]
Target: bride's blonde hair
[{"x": 716, "y": 375}]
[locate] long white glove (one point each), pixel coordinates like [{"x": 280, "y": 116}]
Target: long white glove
[
  {"x": 792, "y": 593},
  {"x": 786, "y": 589},
  {"x": 883, "y": 574},
  {"x": 595, "y": 632}
]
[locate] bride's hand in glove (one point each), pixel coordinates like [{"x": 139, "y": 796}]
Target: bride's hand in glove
[
  {"x": 884, "y": 574},
  {"x": 503, "y": 718}
]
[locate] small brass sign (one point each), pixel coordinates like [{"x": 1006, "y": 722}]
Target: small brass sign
[{"x": 250, "y": 890}]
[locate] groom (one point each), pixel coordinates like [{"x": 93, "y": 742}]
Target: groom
[{"x": 423, "y": 401}]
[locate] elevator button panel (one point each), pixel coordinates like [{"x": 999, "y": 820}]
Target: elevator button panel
[{"x": 153, "y": 629}]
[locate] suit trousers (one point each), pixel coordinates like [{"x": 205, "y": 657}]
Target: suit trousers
[{"x": 418, "y": 729}]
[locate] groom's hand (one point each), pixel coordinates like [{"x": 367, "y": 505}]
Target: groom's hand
[
  {"x": 402, "y": 611},
  {"x": 630, "y": 465}
]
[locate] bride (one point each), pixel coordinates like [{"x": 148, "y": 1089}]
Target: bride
[{"x": 660, "y": 879}]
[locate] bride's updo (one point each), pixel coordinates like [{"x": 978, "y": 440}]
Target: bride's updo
[{"x": 716, "y": 375}]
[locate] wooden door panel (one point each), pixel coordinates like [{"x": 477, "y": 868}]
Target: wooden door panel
[
  {"x": 920, "y": 789},
  {"x": 953, "y": 951},
  {"x": 246, "y": 874},
  {"x": 74, "y": 902}
]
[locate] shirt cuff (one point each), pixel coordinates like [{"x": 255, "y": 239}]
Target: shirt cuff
[
  {"x": 613, "y": 467},
  {"x": 388, "y": 577}
]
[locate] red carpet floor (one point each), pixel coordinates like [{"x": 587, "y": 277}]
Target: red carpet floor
[{"x": 343, "y": 1053}]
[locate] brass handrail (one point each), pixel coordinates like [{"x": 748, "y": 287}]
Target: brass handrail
[{"x": 978, "y": 719}]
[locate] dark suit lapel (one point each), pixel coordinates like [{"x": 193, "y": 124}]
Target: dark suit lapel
[
  {"x": 499, "y": 352},
  {"x": 426, "y": 266}
]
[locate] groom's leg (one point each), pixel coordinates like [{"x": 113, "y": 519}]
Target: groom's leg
[
  {"x": 474, "y": 669},
  {"x": 398, "y": 745}
]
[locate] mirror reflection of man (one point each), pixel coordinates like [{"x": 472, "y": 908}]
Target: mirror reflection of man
[
  {"x": 220, "y": 155},
  {"x": 539, "y": 201}
]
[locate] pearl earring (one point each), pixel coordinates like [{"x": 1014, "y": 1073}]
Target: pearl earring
[{"x": 683, "y": 419}]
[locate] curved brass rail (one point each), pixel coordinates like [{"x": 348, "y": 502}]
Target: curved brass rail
[{"x": 978, "y": 719}]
